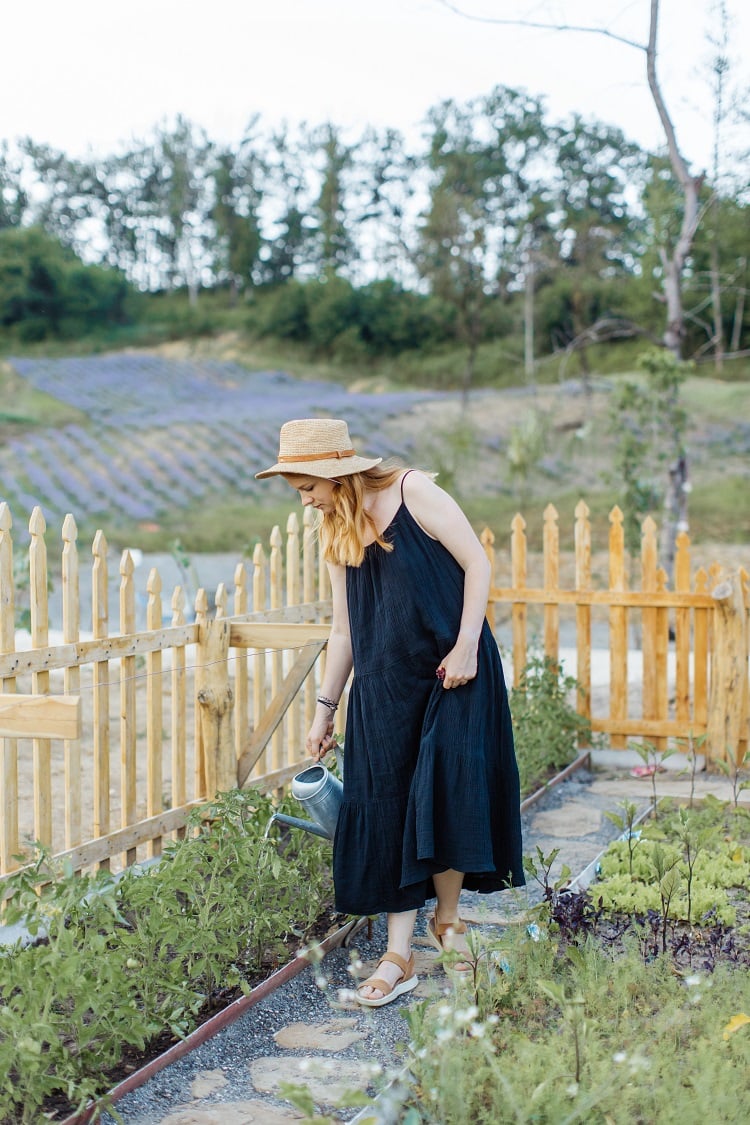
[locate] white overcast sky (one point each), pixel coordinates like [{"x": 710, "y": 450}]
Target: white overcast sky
[{"x": 86, "y": 75}]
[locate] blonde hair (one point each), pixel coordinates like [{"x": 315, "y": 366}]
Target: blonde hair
[{"x": 345, "y": 530}]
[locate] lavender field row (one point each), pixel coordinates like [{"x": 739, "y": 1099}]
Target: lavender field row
[{"x": 158, "y": 435}]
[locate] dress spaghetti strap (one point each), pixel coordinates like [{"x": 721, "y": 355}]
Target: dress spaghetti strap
[{"x": 403, "y": 478}]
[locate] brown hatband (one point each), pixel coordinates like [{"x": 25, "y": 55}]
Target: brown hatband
[{"x": 336, "y": 455}]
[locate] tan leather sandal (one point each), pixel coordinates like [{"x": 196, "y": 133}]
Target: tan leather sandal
[
  {"x": 391, "y": 992},
  {"x": 436, "y": 931}
]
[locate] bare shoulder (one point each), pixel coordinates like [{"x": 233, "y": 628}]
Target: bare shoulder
[{"x": 430, "y": 505}]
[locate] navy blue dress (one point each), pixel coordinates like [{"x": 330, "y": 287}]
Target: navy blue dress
[{"x": 430, "y": 775}]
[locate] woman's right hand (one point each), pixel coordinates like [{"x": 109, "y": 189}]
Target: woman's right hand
[{"x": 320, "y": 737}]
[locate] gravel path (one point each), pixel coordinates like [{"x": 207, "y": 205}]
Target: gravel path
[{"x": 308, "y": 1031}]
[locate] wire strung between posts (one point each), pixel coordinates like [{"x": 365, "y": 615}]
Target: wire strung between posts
[{"x": 168, "y": 671}]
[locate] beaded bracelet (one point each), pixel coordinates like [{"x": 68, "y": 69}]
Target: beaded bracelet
[{"x": 329, "y": 703}]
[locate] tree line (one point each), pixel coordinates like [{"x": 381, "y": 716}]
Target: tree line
[{"x": 499, "y": 223}]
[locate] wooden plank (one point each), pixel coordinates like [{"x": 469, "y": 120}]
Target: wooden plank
[
  {"x": 8, "y": 747},
  {"x": 43, "y": 658},
  {"x": 71, "y": 607},
  {"x": 276, "y": 560},
  {"x": 551, "y": 546},
  {"x": 38, "y": 604},
  {"x": 128, "y": 716},
  {"x": 275, "y": 635},
  {"x": 40, "y": 716},
  {"x": 618, "y": 628},
  {"x": 240, "y": 658},
  {"x": 700, "y": 654},
  {"x": 528, "y": 595},
  {"x": 275, "y": 713},
  {"x": 100, "y": 689},
  {"x": 101, "y": 850},
  {"x": 682, "y": 629},
  {"x": 583, "y": 612},
  {"x": 179, "y": 709},
  {"x": 648, "y": 619},
  {"x": 259, "y": 656},
  {"x": 154, "y": 710},
  {"x": 518, "y": 612},
  {"x": 728, "y": 672},
  {"x": 661, "y": 650},
  {"x": 647, "y": 728}
]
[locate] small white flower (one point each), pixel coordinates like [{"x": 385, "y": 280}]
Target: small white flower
[
  {"x": 346, "y": 996},
  {"x": 619, "y": 1057},
  {"x": 375, "y": 1069},
  {"x": 477, "y": 1030},
  {"x": 572, "y": 1089},
  {"x": 443, "y": 1034},
  {"x": 494, "y": 1018},
  {"x": 444, "y": 1011},
  {"x": 321, "y": 981},
  {"x": 694, "y": 980},
  {"x": 304, "y": 1065}
]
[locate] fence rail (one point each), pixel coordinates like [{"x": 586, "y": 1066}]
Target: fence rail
[{"x": 109, "y": 738}]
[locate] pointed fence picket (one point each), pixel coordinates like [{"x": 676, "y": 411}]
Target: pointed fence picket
[{"x": 109, "y": 737}]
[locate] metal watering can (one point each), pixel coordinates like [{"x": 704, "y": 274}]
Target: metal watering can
[{"x": 320, "y": 793}]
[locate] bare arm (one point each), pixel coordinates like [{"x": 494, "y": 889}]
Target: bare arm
[
  {"x": 439, "y": 515},
  {"x": 338, "y": 666}
]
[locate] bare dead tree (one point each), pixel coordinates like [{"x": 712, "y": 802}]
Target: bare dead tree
[{"x": 672, "y": 258}]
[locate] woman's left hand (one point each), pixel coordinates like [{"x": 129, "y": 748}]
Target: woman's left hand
[{"x": 459, "y": 666}]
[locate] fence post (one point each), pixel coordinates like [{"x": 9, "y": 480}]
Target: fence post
[
  {"x": 728, "y": 670},
  {"x": 518, "y": 610},
  {"x": 215, "y": 700},
  {"x": 41, "y": 748},
  {"x": 583, "y": 612},
  {"x": 8, "y": 746}
]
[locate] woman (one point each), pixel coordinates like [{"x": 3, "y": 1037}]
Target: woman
[{"x": 431, "y": 800}]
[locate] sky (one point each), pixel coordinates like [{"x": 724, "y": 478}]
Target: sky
[{"x": 89, "y": 75}]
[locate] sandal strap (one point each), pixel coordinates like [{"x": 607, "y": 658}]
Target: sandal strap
[
  {"x": 440, "y": 928},
  {"x": 384, "y": 986},
  {"x": 406, "y": 967}
]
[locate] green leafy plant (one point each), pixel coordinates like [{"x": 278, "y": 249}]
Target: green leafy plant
[
  {"x": 626, "y": 824},
  {"x": 113, "y": 963},
  {"x": 546, "y": 726}
]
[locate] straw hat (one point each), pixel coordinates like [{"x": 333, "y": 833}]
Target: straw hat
[{"x": 318, "y": 447}]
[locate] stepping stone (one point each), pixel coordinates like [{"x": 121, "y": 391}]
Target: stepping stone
[
  {"x": 327, "y": 1080},
  {"x": 254, "y": 1112},
  {"x": 576, "y": 818},
  {"x": 336, "y": 1035},
  {"x": 207, "y": 1082}
]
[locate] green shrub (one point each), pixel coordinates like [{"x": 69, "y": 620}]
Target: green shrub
[{"x": 546, "y": 726}]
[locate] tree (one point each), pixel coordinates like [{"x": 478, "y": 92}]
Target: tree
[
  {"x": 334, "y": 247},
  {"x": 385, "y": 207},
  {"x": 238, "y": 199},
  {"x": 179, "y": 191},
  {"x": 289, "y": 230},
  {"x": 481, "y": 156},
  {"x": 13, "y": 198},
  {"x": 673, "y": 256},
  {"x": 598, "y": 235},
  {"x": 45, "y": 290}
]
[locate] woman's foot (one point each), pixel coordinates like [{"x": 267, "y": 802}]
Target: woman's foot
[
  {"x": 449, "y": 936},
  {"x": 393, "y": 977}
]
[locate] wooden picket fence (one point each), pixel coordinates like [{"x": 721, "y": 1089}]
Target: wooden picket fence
[{"x": 109, "y": 740}]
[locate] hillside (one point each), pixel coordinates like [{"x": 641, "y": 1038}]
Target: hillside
[{"x": 152, "y": 447}]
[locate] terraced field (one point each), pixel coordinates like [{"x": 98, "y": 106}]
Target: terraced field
[{"x": 157, "y": 434}]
